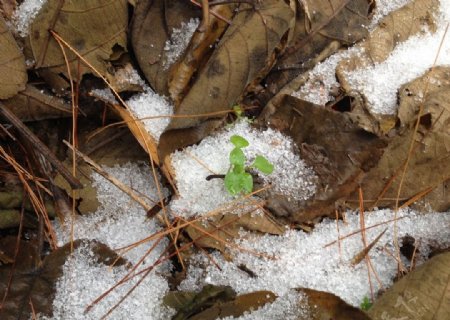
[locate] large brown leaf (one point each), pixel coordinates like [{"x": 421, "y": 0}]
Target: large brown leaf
[
  {"x": 429, "y": 168},
  {"x": 243, "y": 56},
  {"x": 13, "y": 74},
  {"x": 422, "y": 294},
  {"x": 339, "y": 151},
  {"x": 92, "y": 27}
]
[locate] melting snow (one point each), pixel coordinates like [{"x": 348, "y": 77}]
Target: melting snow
[
  {"x": 118, "y": 222},
  {"x": 380, "y": 83},
  {"x": 155, "y": 108},
  {"x": 291, "y": 176},
  {"x": 302, "y": 260},
  {"x": 25, "y": 14},
  {"x": 179, "y": 40}
]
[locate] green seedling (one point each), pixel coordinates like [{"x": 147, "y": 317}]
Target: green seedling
[
  {"x": 365, "y": 304},
  {"x": 238, "y": 179}
]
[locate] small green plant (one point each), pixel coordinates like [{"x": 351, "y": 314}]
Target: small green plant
[
  {"x": 365, "y": 304},
  {"x": 238, "y": 179}
]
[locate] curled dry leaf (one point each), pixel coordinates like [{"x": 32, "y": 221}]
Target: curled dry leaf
[
  {"x": 428, "y": 171},
  {"x": 392, "y": 30},
  {"x": 13, "y": 74},
  {"x": 422, "y": 294},
  {"x": 95, "y": 28},
  {"x": 339, "y": 151},
  {"x": 242, "y": 57},
  {"x": 32, "y": 104}
]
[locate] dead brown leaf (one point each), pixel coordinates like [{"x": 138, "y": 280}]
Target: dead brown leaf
[
  {"x": 13, "y": 75},
  {"x": 428, "y": 167},
  {"x": 32, "y": 104},
  {"x": 220, "y": 230},
  {"x": 339, "y": 151},
  {"x": 395, "y": 28},
  {"x": 422, "y": 294},
  {"x": 324, "y": 306},
  {"x": 215, "y": 302},
  {"x": 79, "y": 24},
  {"x": 37, "y": 287},
  {"x": 319, "y": 25},
  {"x": 148, "y": 45}
]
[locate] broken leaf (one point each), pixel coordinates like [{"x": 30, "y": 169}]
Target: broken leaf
[
  {"x": 13, "y": 75},
  {"x": 94, "y": 28}
]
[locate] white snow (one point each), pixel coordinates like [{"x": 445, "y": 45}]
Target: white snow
[
  {"x": 105, "y": 95},
  {"x": 126, "y": 76},
  {"x": 153, "y": 109},
  {"x": 179, "y": 40},
  {"x": 322, "y": 79},
  {"x": 303, "y": 260},
  {"x": 118, "y": 222},
  {"x": 192, "y": 165},
  {"x": 24, "y": 15},
  {"x": 380, "y": 83}
]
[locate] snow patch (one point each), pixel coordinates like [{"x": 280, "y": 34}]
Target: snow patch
[
  {"x": 179, "y": 40},
  {"x": 24, "y": 15},
  {"x": 153, "y": 109},
  {"x": 305, "y": 260},
  {"x": 291, "y": 176},
  {"x": 118, "y": 222}
]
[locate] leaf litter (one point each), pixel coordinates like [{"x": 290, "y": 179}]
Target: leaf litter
[{"x": 301, "y": 259}]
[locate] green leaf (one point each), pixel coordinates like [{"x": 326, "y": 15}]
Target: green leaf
[
  {"x": 237, "y": 157},
  {"x": 238, "y": 182},
  {"x": 366, "y": 304},
  {"x": 263, "y": 165},
  {"x": 239, "y": 141},
  {"x": 238, "y": 111}
]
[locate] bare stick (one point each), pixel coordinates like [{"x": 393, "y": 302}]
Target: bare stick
[{"x": 41, "y": 147}]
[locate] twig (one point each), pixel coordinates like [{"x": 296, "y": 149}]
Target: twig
[
  {"x": 42, "y": 148},
  {"x": 126, "y": 189}
]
